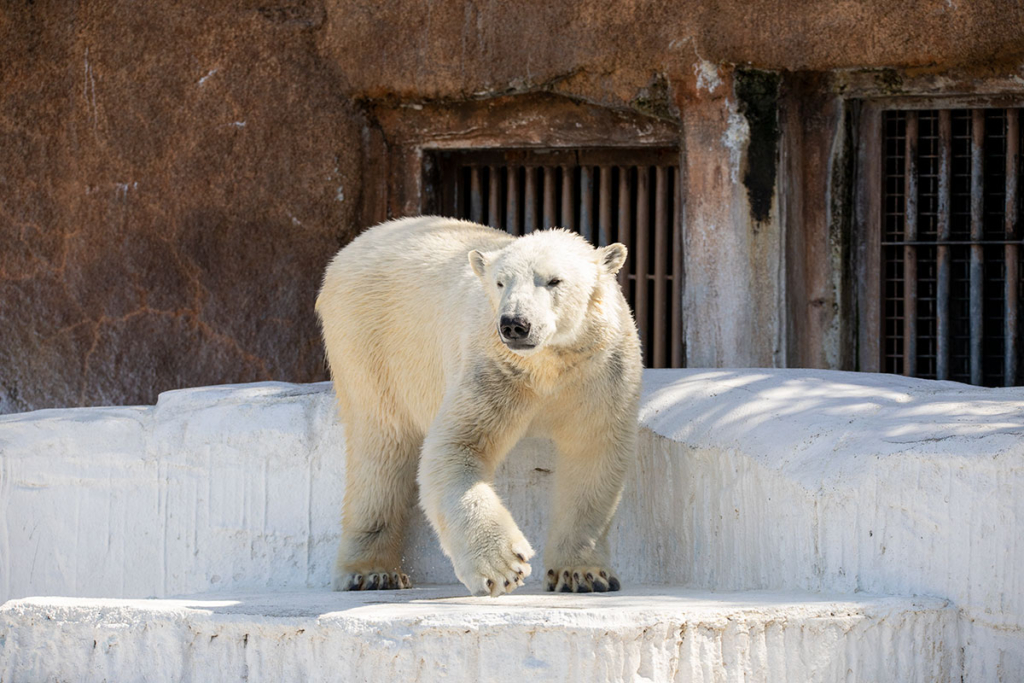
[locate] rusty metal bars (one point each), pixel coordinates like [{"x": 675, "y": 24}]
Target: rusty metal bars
[
  {"x": 678, "y": 351},
  {"x": 943, "y": 258},
  {"x": 512, "y": 201},
  {"x": 530, "y": 221},
  {"x": 604, "y": 210},
  {"x": 625, "y": 226},
  {"x": 977, "y": 234},
  {"x": 640, "y": 301},
  {"x": 587, "y": 202},
  {"x": 661, "y": 257},
  {"x": 568, "y": 199},
  {"x": 910, "y": 251},
  {"x": 1011, "y": 288},
  {"x": 605, "y": 201},
  {"x": 476, "y": 203},
  {"x": 494, "y": 197},
  {"x": 970, "y": 222},
  {"x": 550, "y": 212}
]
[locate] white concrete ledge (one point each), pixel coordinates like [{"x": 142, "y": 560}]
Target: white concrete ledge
[
  {"x": 831, "y": 481},
  {"x": 747, "y": 479},
  {"x": 235, "y": 486},
  {"x": 433, "y": 634}
]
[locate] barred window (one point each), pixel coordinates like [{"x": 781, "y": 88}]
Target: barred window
[
  {"x": 606, "y": 195},
  {"x": 950, "y": 261}
]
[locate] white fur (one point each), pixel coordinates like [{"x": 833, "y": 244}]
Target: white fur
[{"x": 410, "y": 313}]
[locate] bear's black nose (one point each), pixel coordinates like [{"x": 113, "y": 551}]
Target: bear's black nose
[{"x": 513, "y": 328}]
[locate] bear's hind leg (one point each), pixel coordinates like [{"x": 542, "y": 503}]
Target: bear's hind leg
[{"x": 380, "y": 490}]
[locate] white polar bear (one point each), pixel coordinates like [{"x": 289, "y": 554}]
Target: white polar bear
[{"x": 450, "y": 341}]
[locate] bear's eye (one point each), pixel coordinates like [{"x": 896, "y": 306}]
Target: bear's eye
[
  {"x": 500, "y": 285},
  {"x": 554, "y": 282}
]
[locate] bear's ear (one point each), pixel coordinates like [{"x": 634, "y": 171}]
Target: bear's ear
[
  {"x": 612, "y": 257},
  {"x": 478, "y": 261}
]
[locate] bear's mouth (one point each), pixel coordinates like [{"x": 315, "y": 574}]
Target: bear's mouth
[{"x": 519, "y": 345}]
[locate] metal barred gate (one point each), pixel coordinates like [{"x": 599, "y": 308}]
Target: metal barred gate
[
  {"x": 606, "y": 195},
  {"x": 951, "y": 244}
]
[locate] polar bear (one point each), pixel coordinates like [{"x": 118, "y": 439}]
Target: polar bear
[{"x": 448, "y": 342}]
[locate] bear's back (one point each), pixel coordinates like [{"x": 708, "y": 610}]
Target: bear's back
[
  {"x": 435, "y": 243},
  {"x": 400, "y": 303}
]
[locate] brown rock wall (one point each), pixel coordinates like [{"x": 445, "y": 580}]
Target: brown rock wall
[
  {"x": 174, "y": 176},
  {"x": 606, "y": 50},
  {"x": 172, "y": 184}
]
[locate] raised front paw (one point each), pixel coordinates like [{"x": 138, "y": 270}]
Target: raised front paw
[
  {"x": 495, "y": 566},
  {"x": 374, "y": 579},
  {"x": 582, "y": 580}
]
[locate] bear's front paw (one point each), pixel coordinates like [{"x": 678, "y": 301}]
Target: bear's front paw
[
  {"x": 582, "y": 580},
  {"x": 374, "y": 579},
  {"x": 497, "y": 567}
]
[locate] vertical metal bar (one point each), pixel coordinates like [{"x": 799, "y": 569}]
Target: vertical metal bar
[
  {"x": 449, "y": 179},
  {"x": 660, "y": 262},
  {"x": 457, "y": 192},
  {"x": 568, "y": 206},
  {"x": 977, "y": 233},
  {"x": 512, "y": 201},
  {"x": 870, "y": 210},
  {"x": 625, "y": 227},
  {"x": 944, "y": 261},
  {"x": 677, "y": 274},
  {"x": 604, "y": 211},
  {"x": 494, "y": 197},
  {"x": 643, "y": 228},
  {"x": 476, "y": 197},
  {"x": 530, "y": 201},
  {"x": 586, "y": 202},
  {"x": 1012, "y": 286},
  {"x": 910, "y": 252},
  {"x": 550, "y": 212}
]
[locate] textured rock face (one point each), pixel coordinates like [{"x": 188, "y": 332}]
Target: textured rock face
[
  {"x": 428, "y": 49},
  {"x": 175, "y": 177},
  {"x": 173, "y": 182}
]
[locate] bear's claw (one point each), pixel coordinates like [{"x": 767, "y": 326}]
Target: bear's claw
[
  {"x": 582, "y": 580},
  {"x": 504, "y": 581},
  {"x": 497, "y": 569},
  {"x": 373, "y": 580}
]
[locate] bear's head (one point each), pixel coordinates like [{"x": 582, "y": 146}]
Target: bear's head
[{"x": 541, "y": 285}]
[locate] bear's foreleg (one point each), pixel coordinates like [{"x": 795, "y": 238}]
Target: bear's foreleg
[
  {"x": 467, "y": 442},
  {"x": 380, "y": 486},
  {"x": 590, "y": 473}
]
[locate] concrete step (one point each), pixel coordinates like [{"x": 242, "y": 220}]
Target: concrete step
[
  {"x": 746, "y": 480},
  {"x": 434, "y": 633}
]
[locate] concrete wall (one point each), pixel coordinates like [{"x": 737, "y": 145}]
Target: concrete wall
[
  {"x": 758, "y": 479},
  {"x": 175, "y": 177}
]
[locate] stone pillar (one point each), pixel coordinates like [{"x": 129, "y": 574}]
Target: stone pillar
[{"x": 732, "y": 239}]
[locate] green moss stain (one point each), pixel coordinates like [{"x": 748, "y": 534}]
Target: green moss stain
[
  {"x": 757, "y": 93},
  {"x": 654, "y": 100},
  {"x": 889, "y": 81}
]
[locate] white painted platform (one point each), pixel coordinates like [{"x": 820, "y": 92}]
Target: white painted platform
[
  {"x": 435, "y": 633},
  {"x": 782, "y": 480}
]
